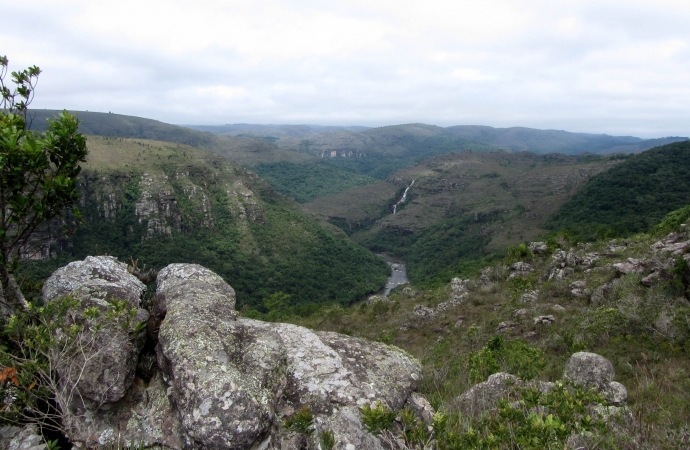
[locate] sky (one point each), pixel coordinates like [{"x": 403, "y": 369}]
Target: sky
[{"x": 607, "y": 66}]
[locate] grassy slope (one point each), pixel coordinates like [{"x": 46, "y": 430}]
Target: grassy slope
[
  {"x": 643, "y": 331},
  {"x": 461, "y": 206},
  {"x": 630, "y": 197},
  {"x": 218, "y": 215}
]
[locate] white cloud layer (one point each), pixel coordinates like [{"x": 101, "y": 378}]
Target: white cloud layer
[{"x": 609, "y": 66}]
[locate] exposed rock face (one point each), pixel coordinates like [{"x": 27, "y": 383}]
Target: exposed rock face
[
  {"x": 485, "y": 396},
  {"x": 26, "y": 438},
  {"x": 224, "y": 382},
  {"x": 105, "y": 367},
  {"x": 589, "y": 370},
  {"x": 98, "y": 369},
  {"x": 231, "y": 380},
  {"x": 520, "y": 269},
  {"x": 538, "y": 248}
]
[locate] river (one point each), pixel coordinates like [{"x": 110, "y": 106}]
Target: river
[{"x": 398, "y": 274}]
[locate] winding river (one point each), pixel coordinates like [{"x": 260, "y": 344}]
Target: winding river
[{"x": 398, "y": 274}]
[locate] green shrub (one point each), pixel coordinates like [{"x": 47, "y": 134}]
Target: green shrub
[
  {"x": 301, "y": 422},
  {"x": 377, "y": 419},
  {"x": 515, "y": 357}
]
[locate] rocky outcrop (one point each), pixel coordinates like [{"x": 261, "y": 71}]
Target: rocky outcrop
[
  {"x": 26, "y": 438},
  {"x": 104, "y": 360},
  {"x": 97, "y": 368},
  {"x": 588, "y": 370},
  {"x": 224, "y": 382},
  {"x": 594, "y": 371},
  {"x": 233, "y": 379}
]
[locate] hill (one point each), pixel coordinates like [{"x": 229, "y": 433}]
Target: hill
[
  {"x": 526, "y": 315},
  {"x": 630, "y": 197},
  {"x": 159, "y": 203},
  {"x": 460, "y": 207}
]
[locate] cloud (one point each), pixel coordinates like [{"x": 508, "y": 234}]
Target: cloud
[{"x": 600, "y": 66}]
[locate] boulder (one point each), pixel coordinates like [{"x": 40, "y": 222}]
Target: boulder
[
  {"x": 101, "y": 364},
  {"x": 538, "y": 248},
  {"x": 505, "y": 327},
  {"x": 485, "y": 396},
  {"x": 589, "y": 370},
  {"x": 520, "y": 269},
  {"x": 24, "y": 438},
  {"x": 631, "y": 266},
  {"x": 544, "y": 320},
  {"x": 233, "y": 381},
  {"x": 97, "y": 376},
  {"x": 424, "y": 312}
]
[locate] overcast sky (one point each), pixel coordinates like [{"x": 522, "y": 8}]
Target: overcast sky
[{"x": 606, "y": 66}]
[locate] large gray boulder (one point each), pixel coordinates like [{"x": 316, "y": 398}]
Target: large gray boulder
[
  {"x": 233, "y": 381},
  {"x": 99, "y": 367},
  {"x": 595, "y": 372}
]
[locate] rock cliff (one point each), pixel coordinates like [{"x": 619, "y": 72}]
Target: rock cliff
[{"x": 223, "y": 382}]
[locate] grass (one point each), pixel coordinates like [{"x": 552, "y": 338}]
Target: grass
[{"x": 644, "y": 332}]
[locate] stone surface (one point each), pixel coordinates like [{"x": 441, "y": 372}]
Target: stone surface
[
  {"x": 538, "y": 248},
  {"x": 485, "y": 396},
  {"x": 21, "y": 438},
  {"x": 520, "y": 269},
  {"x": 589, "y": 370},
  {"x": 421, "y": 407},
  {"x": 101, "y": 365},
  {"x": 544, "y": 320},
  {"x": 232, "y": 381},
  {"x": 424, "y": 312},
  {"x": 505, "y": 327}
]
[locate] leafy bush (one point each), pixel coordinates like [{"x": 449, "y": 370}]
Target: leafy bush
[
  {"x": 515, "y": 357},
  {"x": 377, "y": 419},
  {"x": 672, "y": 221}
]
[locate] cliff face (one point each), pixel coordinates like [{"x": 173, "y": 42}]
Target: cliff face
[
  {"x": 220, "y": 382},
  {"x": 159, "y": 203}
]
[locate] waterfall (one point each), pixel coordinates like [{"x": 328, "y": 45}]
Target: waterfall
[{"x": 404, "y": 196}]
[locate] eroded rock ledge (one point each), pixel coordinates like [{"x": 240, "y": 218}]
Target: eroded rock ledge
[{"x": 226, "y": 382}]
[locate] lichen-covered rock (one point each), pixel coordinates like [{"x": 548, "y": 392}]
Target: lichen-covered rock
[
  {"x": 102, "y": 363},
  {"x": 97, "y": 278},
  {"x": 485, "y": 396},
  {"x": 25, "y": 438},
  {"x": 424, "y": 312},
  {"x": 589, "y": 370},
  {"x": 538, "y": 248},
  {"x": 520, "y": 269},
  {"x": 97, "y": 370},
  {"x": 233, "y": 380}
]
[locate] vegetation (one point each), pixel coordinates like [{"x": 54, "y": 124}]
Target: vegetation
[
  {"x": 631, "y": 197},
  {"x": 37, "y": 176},
  {"x": 270, "y": 247},
  {"x": 643, "y": 330},
  {"x": 306, "y": 182}
]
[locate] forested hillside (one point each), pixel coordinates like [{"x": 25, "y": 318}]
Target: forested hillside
[
  {"x": 158, "y": 203},
  {"x": 630, "y": 197},
  {"x": 460, "y": 207}
]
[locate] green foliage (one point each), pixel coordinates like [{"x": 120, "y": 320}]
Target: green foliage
[
  {"x": 34, "y": 342},
  {"x": 287, "y": 252},
  {"x": 377, "y": 419},
  {"x": 515, "y": 357},
  {"x": 301, "y": 422},
  {"x": 672, "y": 221},
  {"x": 518, "y": 252},
  {"x": 307, "y": 182},
  {"x": 327, "y": 440},
  {"x": 37, "y": 173},
  {"x": 631, "y": 197},
  {"x": 536, "y": 421}
]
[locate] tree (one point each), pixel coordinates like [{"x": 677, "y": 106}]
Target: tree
[{"x": 37, "y": 176}]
